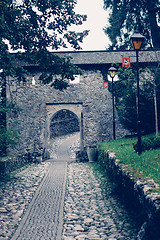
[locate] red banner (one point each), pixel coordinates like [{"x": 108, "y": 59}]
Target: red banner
[
  {"x": 126, "y": 62},
  {"x": 105, "y": 85}
]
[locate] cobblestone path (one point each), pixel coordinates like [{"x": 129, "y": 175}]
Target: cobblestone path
[
  {"x": 91, "y": 213},
  {"x": 68, "y": 204},
  {"x": 43, "y": 219},
  {"x": 15, "y": 194},
  {"x": 62, "y": 148}
]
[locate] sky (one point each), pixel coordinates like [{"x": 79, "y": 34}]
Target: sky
[{"x": 96, "y": 21}]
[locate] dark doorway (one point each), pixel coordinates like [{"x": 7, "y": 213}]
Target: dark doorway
[{"x": 64, "y": 122}]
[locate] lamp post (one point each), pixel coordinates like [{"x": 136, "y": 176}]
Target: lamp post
[
  {"x": 136, "y": 41},
  {"x": 112, "y": 71}
]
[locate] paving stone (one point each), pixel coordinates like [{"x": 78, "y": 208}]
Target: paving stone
[
  {"x": 45, "y": 206},
  {"x": 84, "y": 200},
  {"x": 15, "y": 198},
  {"x": 88, "y": 212}
]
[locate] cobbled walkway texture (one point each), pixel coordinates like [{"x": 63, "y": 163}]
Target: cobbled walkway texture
[
  {"x": 43, "y": 219},
  {"x": 91, "y": 213},
  {"x": 59, "y": 200},
  {"x": 15, "y": 195}
]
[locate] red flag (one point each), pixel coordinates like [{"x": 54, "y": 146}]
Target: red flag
[
  {"x": 126, "y": 62},
  {"x": 105, "y": 85}
]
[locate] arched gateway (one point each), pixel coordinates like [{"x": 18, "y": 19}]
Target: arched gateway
[{"x": 64, "y": 118}]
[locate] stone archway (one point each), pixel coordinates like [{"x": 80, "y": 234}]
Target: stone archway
[
  {"x": 75, "y": 108},
  {"x": 64, "y": 122}
]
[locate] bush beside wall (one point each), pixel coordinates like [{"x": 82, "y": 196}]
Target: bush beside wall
[{"x": 148, "y": 143}]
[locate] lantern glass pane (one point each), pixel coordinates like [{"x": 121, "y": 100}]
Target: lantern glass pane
[
  {"x": 137, "y": 44},
  {"x": 112, "y": 73}
]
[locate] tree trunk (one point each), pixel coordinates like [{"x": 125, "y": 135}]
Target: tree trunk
[
  {"x": 155, "y": 29},
  {"x": 3, "y": 120}
]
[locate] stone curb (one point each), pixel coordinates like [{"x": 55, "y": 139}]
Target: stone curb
[
  {"x": 148, "y": 200},
  {"x": 142, "y": 184}
]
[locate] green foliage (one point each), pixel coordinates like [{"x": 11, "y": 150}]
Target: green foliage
[
  {"x": 8, "y": 137},
  {"x": 37, "y": 28},
  {"x": 156, "y": 143},
  {"x": 126, "y": 98},
  {"x": 125, "y": 16},
  {"x": 125, "y": 95},
  {"x": 58, "y": 84},
  {"x": 148, "y": 143},
  {"x": 36, "y": 25},
  {"x": 53, "y": 65}
]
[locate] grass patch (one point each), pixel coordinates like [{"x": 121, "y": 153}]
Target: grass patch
[{"x": 146, "y": 165}]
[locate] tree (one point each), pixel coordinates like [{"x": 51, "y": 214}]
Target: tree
[
  {"x": 127, "y": 15},
  {"x": 34, "y": 28},
  {"x": 8, "y": 136},
  {"x": 125, "y": 94},
  {"x": 37, "y": 27},
  {"x": 125, "y": 97}
]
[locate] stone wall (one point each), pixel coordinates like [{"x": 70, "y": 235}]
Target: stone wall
[
  {"x": 40, "y": 102},
  {"x": 138, "y": 193},
  {"x": 12, "y": 163},
  {"x": 31, "y": 121},
  {"x": 109, "y": 57}
]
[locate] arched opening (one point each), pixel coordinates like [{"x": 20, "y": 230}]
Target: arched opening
[{"x": 64, "y": 122}]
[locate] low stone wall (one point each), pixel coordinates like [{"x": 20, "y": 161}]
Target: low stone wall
[
  {"x": 12, "y": 163},
  {"x": 139, "y": 192}
]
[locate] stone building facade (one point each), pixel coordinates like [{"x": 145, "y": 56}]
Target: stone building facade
[
  {"x": 86, "y": 101},
  {"x": 87, "y": 105}
]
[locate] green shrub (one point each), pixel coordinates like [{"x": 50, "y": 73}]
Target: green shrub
[
  {"x": 146, "y": 144},
  {"x": 156, "y": 143},
  {"x": 8, "y": 139}
]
